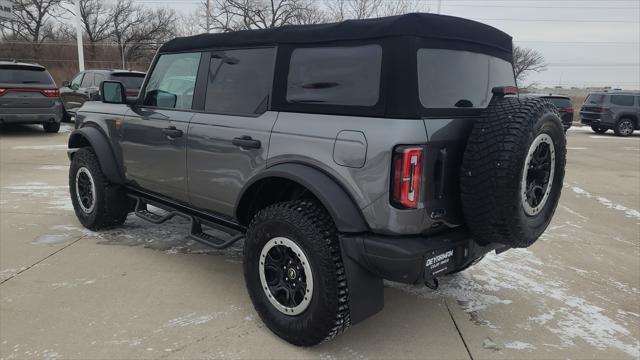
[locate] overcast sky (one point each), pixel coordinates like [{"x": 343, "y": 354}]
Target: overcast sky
[{"x": 585, "y": 42}]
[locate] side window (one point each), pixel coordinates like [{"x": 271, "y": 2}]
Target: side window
[
  {"x": 98, "y": 78},
  {"x": 87, "y": 81},
  {"x": 75, "y": 83},
  {"x": 335, "y": 75},
  {"x": 622, "y": 100},
  {"x": 172, "y": 81},
  {"x": 240, "y": 81}
]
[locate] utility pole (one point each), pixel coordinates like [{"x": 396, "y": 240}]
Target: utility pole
[
  {"x": 79, "y": 37},
  {"x": 439, "y": 6},
  {"x": 208, "y": 14}
]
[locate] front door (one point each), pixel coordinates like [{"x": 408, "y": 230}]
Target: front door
[
  {"x": 229, "y": 141},
  {"x": 153, "y": 135}
]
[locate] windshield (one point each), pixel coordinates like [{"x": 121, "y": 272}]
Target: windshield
[
  {"x": 130, "y": 81},
  {"x": 460, "y": 79},
  {"x": 24, "y": 75}
]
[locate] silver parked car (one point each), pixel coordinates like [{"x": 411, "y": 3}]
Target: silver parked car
[{"x": 28, "y": 95}]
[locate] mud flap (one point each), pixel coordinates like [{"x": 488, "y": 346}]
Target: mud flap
[{"x": 366, "y": 290}]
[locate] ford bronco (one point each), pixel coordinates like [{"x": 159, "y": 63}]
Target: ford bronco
[{"x": 341, "y": 154}]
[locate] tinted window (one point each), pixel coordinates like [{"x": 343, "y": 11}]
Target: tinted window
[
  {"x": 87, "y": 81},
  {"x": 98, "y": 78},
  {"x": 460, "y": 79},
  {"x": 130, "y": 81},
  {"x": 623, "y": 100},
  {"x": 12, "y": 74},
  {"x": 172, "y": 81},
  {"x": 594, "y": 99},
  {"x": 335, "y": 75},
  {"x": 560, "y": 103},
  {"x": 240, "y": 81}
]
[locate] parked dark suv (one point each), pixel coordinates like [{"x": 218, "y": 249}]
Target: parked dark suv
[
  {"x": 617, "y": 110},
  {"x": 28, "y": 95},
  {"x": 342, "y": 154},
  {"x": 563, "y": 103},
  {"x": 86, "y": 86}
]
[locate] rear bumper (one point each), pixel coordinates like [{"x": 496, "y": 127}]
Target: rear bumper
[
  {"x": 31, "y": 115},
  {"x": 414, "y": 259}
]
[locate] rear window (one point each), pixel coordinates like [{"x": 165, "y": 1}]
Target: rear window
[
  {"x": 594, "y": 99},
  {"x": 560, "y": 103},
  {"x": 130, "y": 81},
  {"x": 460, "y": 79},
  {"x": 623, "y": 100},
  {"x": 335, "y": 75},
  {"x": 24, "y": 75}
]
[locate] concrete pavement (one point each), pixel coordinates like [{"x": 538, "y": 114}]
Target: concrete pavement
[{"x": 145, "y": 291}]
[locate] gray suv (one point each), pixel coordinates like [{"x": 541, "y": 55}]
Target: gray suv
[
  {"x": 342, "y": 154},
  {"x": 619, "y": 110},
  {"x": 28, "y": 95}
]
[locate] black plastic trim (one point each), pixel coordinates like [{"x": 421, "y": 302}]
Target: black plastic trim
[{"x": 102, "y": 148}]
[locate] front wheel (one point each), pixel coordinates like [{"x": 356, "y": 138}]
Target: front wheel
[
  {"x": 294, "y": 272},
  {"x": 599, "y": 129},
  {"x": 624, "y": 127},
  {"x": 97, "y": 202}
]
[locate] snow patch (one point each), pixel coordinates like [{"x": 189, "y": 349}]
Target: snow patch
[
  {"x": 519, "y": 345},
  {"x": 40, "y": 147},
  {"x": 631, "y": 213},
  {"x": 53, "y": 167}
]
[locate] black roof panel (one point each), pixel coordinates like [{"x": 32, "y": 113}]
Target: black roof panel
[{"x": 437, "y": 27}]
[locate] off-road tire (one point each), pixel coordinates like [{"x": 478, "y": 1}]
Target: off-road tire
[
  {"x": 599, "y": 129},
  {"x": 51, "y": 127},
  {"x": 111, "y": 201},
  {"x": 622, "y": 122},
  {"x": 311, "y": 228},
  {"x": 493, "y": 169}
]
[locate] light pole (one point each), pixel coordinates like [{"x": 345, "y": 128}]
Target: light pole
[
  {"x": 439, "y": 6},
  {"x": 208, "y": 14},
  {"x": 79, "y": 37}
]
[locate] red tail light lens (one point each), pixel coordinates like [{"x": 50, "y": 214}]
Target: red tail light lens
[
  {"x": 3, "y": 91},
  {"x": 567, "y": 109},
  {"x": 50, "y": 93},
  {"x": 602, "y": 109},
  {"x": 407, "y": 174},
  {"x": 132, "y": 93}
]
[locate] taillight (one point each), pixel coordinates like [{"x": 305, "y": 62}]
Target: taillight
[
  {"x": 602, "y": 109},
  {"x": 50, "y": 92},
  {"x": 407, "y": 174},
  {"x": 567, "y": 109},
  {"x": 132, "y": 93},
  {"x": 3, "y": 91}
]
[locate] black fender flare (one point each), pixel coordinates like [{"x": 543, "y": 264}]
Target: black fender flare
[
  {"x": 102, "y": 148},
  {"x": 334, "y": 198}
]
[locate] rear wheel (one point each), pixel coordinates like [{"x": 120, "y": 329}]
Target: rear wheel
[
  {"x": 624, "y": 127},
  {"x": 599, "y": 129},
  {"x": 294, "y": 272},
  {"x": 51, "y": 127},
  {"x": 97, "y": 202}
]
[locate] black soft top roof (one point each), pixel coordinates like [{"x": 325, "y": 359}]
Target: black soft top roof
[{"x": 429, "y": 26}]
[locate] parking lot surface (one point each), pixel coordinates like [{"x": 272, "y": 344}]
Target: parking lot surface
[{"x": 146, "y": 291}]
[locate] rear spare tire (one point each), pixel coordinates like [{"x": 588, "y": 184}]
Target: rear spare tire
[{"x": 512, "y": 171}]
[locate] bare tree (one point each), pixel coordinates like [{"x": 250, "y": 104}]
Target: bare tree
[
  {"x": 32, "y": 21},
  {"x": 138, "y": 30},
  {"x": 339, "y": 10},
  {"x": 97, "y": 20},
  {"x": 526, "y": 61}
]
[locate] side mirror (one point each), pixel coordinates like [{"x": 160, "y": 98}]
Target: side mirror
[
  {"x": 112, "y": 92},
  {"x": 66, "y": 83}
]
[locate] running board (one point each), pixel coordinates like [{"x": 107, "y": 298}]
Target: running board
[{"x": 196, "y": 232}]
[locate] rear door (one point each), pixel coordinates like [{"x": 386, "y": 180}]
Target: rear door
[
  {"x": 153, "y": 134},
  {"x": 228, "y": 140}
]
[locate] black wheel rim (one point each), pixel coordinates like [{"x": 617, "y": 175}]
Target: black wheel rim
[
  {"x": 538, "y": 174},
  {"x": 286, "y": 276},
  {"x": 85, "y": 190}
]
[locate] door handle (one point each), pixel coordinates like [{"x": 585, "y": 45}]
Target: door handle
[
  {"x": 246, "y": 142},
  {"x": 171, "y": 131}
]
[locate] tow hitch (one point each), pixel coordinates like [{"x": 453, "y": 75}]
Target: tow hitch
[{"x": 432, "y": 284}]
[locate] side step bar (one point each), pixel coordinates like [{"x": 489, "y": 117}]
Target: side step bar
[{"x": 222, "y": 237}]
